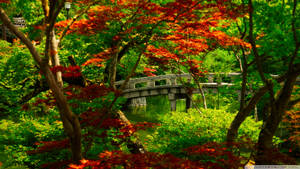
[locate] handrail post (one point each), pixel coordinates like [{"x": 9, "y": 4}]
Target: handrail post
[
  {"x": 132, "y": 85},
  {"x": 151, "y": 83},
  {"x": 210, "y": 78},
  {"x": 173, "y": 81}
]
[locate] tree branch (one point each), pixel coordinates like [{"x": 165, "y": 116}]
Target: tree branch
[{"x": 294, "y": 36}]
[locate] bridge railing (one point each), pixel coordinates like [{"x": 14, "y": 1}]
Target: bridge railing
[{"x": 175, "y": 79}]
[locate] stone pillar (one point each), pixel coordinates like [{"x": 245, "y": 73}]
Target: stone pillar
[
  {"x": 172, "y": 99},
  {"x": 173, "y": 81},
  {"x": 139, "y": 101},
  {"x": 210, "y": 78}
]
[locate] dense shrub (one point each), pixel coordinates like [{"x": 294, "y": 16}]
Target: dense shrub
[{"x": 181, "y": 130}]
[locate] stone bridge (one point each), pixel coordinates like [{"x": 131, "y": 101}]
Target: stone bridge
[{"x": 138, "y": 89}]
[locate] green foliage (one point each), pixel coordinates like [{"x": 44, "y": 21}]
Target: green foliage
[
  {"x": 220, "y": 60},
  {"x": 18, "y": 137},
  {"x": 17, "y": 74},
  {"x": 180, "y": 130}
]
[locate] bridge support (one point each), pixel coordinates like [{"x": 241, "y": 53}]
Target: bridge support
[
  {"x": 139, "y": 101},
  {"x": 172, "y": 99}
]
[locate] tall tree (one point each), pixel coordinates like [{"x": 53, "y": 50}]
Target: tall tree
[
  {"x": 269, "y": 56},
  {"x": 70, "y": 120}
]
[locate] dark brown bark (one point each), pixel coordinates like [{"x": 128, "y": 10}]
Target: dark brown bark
[
  {"x": 70, "y": 120},
  {"x": 113, "y": 71},
  {"x": 244, "y": 79},
  {"x": 4, "y": 32}
]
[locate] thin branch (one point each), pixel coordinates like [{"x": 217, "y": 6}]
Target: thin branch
[
  {"x": 258, "y": 60},
  {"x": 132, "y": 71}
]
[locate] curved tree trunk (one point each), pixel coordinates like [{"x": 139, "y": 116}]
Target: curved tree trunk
[{"x": 70, "y": 120}]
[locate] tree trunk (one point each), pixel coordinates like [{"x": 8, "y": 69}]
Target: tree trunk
[
  {"x": 113, "y": 71},
  {"x": 4, "y": 32},
  {"x": 244, "y": 84},
  {"x": 70, "y": 121},
  {"x": 241, "y": 116},
  {"x": 263, "y": 155}
]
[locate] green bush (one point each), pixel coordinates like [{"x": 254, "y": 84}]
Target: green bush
[
  {"x": 18, "y": 137},
  {"x": 180, "y": 130}
]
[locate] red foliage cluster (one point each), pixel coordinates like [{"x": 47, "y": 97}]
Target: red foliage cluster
[
  {"x": 96, "y": 22},
  {"x": 99, "y": 120},
  {"x": 88, "y": 93},
  {"x": 67, "y": 72},
  {"x": 149, "y": 71},
  {"x": 223, "y": 157},
  {"x": 48, "y": 146},
  {"x": 211, "y": 155},
  {"x": 127, "y": 130},
  {"x": 194, "y": 67},
  {"x": 100, "y": 57},
  {"x": 49, "y": 102},
  {"x": 190, "y": 27},
  {"x": 291, "y": 120},
  {"x": 135, "y": 161},
  {"x": 4, "y": 1}
]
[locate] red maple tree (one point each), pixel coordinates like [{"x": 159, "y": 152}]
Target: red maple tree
[{"x": 166, "y": 34}]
